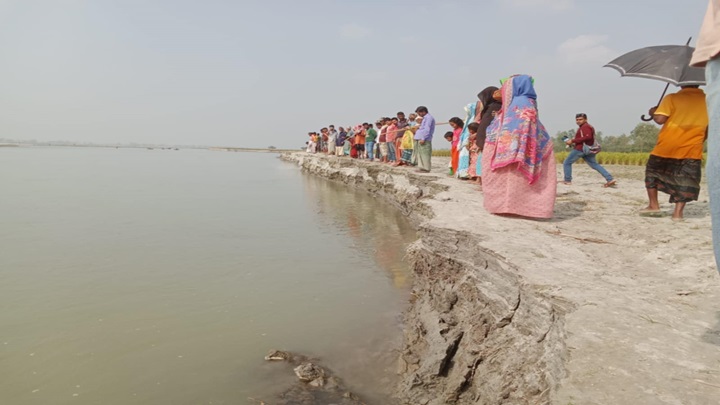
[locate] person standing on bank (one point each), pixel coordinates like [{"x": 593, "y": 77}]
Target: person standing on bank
[
  {"x": 370, "y": 136},
  {"x": 674, "y": 163},
  {"x": 402, "y": 123},
  {"x": 390, "y": 136},
  {"x": 423, "y": 140},
  {"x": 707, "y": 53},
  {"x": 585, "y": 135},
  {"x": 332, "y": 140},
  {"x": 518, "y": 163},
  {"x": 340, "y": 142}
]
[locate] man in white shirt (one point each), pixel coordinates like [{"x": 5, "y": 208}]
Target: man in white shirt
[{"x": 332, "y": 139}]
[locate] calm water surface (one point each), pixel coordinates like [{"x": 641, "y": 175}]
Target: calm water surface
[{"x": 133, "y": 276}]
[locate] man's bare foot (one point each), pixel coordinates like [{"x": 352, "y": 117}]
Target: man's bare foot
[{"x": 567, "y": 183}]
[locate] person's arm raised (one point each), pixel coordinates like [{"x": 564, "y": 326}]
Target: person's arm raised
[{"x": 659, "y": 119}]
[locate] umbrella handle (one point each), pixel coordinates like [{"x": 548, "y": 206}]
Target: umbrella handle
[
  {"x": 650, "y": 118},
  {"x": 659, "y": 101}
]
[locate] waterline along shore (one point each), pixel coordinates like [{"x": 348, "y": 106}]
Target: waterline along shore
[{"x": 596, "y": 306}]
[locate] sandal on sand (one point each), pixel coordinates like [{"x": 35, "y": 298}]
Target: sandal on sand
[
  {"x": 567, "y": 183},
  {"x": 611, "y": 183},
  {"x": 651, "y": 213}
]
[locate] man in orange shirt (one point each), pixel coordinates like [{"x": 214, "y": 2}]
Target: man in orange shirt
[
  {"x": 675, "y": 162},
  {"x": 360, "y": 142},
  {"x": 390, "y": 136}
]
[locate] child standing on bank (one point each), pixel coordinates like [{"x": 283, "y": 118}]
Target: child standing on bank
[
  {"x": 407, "y": 148},
  {"x": 475, "y": 169},
  {"x": 449, "y": 137}
]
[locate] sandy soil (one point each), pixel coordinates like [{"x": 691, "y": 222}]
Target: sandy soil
[{"x": 646, "y": 324}]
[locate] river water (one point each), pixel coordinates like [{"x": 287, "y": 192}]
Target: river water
[{"x": 134, "y": 276}]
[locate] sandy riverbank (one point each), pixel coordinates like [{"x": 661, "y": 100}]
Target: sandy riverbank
[{"x": 597, "y": 306}]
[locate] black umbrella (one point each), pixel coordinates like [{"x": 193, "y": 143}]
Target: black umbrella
[{"x": 667, "y": 63}]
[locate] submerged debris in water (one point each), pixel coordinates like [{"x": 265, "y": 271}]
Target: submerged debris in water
[
  {"x": 309, "y": 372},
  {"x": 315, "y": 386},
  {"x": 277, "y": 355}
]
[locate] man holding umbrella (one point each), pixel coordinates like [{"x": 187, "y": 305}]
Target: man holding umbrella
[{"x": 675, "y": 162}]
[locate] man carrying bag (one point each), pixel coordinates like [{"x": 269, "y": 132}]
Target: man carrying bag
[{"x": 585, "y": 147}]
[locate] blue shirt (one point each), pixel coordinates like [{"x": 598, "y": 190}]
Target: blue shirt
[
  {"x": 341, "y": 139},
  {"x": 426, "y": 130}
]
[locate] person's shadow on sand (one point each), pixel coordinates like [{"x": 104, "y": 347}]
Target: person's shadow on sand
[
  {"x": 565, "y": 210},
  {"x": 712, "y": 335},
  {"x": 697, "y": 209}
]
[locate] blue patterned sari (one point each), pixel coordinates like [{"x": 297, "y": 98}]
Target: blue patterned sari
[
  {"x": 520, "y": 138},
  {"x": 464, "y": 144}
]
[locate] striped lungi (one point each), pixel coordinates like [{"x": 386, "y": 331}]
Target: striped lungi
[{"x": 678, "y": 177}]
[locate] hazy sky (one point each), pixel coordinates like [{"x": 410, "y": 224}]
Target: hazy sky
[{"x": 260, "y": 73}]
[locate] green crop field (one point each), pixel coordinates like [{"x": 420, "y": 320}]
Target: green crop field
[
  {"x": 604, "y": 158},
  {"x": 617, "y": 158}
]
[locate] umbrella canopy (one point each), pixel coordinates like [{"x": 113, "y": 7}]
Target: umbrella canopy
[{"x": 668, "y": 63}]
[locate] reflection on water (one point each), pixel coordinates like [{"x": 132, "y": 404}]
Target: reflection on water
[
  {"x": 373, "y": 224},
  {"x": 163, "y": 277}
]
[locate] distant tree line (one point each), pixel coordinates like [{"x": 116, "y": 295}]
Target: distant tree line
[{"x": 641, "y": 139}]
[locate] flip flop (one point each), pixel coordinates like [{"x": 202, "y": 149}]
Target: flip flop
[
  {"x": 611, "y": 183},
  {"x": 651, "y": 213}
]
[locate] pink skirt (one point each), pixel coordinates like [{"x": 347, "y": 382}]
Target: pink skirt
[
  {"x": 506, "y": 190},
  {"x": 472, "y": 170}
]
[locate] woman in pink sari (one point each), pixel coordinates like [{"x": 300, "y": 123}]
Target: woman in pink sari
[{"x": 518, "y": 164}]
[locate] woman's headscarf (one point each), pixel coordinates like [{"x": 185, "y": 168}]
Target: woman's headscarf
[
  {"x": 486, "y": 98},
  {"x": 502, "y": 81},
  {"x": 485, "y": 117},
  {"x": 519, "y": 136}
]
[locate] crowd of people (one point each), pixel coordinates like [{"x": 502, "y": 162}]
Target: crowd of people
[
  {"x": 502, "y": 145},
  {"x": 397, "y": 141}
]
